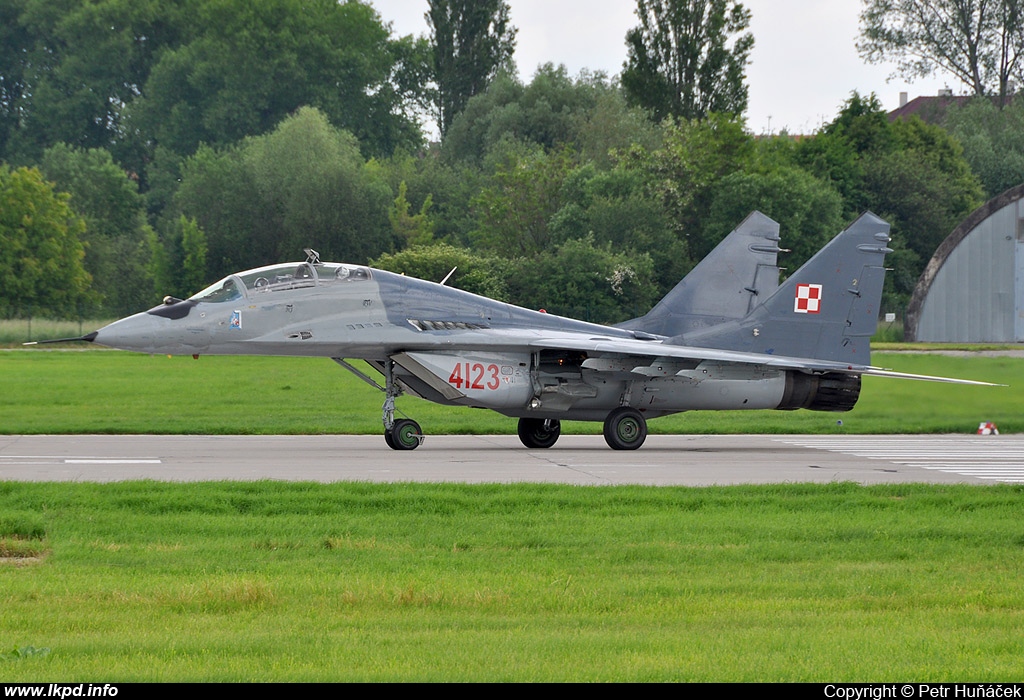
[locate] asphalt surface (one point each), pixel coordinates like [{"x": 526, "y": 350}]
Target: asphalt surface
[{"x": 693, "y": 460}]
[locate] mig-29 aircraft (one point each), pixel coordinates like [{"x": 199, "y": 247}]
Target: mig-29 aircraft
[{"x": 729, "y": 336}]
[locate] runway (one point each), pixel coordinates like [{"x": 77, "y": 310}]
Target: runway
[{"x": 690, "y": 460}]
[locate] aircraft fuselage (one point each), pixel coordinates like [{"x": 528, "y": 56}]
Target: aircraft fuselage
[{"x": 448, "y": 345}]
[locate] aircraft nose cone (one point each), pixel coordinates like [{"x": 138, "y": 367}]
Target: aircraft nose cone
[{"x": 136, "y": 332}]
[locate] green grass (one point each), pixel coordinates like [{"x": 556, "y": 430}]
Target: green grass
[
  {"x": 888, "y": 333},
  {"x": 951, "y": 347},
  {"x": 265, "y": 581},
  {"x": 99, "y": 391},
  {"x": 14, "y": 332}
]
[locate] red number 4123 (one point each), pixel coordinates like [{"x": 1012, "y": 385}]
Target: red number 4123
[{"x": 475, "y": 375}]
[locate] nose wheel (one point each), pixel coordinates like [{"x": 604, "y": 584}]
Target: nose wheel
[{"x": 404, "y": 434}]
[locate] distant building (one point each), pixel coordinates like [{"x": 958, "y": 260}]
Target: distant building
[
  {"x": 932, "y": 108},
  {"x": 972, "y": 290}
]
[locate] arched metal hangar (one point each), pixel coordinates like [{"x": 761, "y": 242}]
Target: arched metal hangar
[{"x": 972, "y": 290}]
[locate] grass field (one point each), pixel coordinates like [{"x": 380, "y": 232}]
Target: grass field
[
  {"x": 102, "y": 391},
  {"x": 14, "y": 332},
  {"x": 146, "y": 581}
]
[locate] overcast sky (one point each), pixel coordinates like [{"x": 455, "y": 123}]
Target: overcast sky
[{"x": 803, "y": 67}]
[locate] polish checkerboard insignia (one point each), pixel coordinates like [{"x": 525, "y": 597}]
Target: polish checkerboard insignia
[{"x": 808, "y": 299}]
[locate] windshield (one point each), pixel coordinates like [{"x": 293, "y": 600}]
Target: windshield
[{"x": 228, "y": 289}]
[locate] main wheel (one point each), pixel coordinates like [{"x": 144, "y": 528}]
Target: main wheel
[
  {"x": 539, "y": 432},
  {"x": 404, "y": 435},
  {"x": 625, "y": 429}
]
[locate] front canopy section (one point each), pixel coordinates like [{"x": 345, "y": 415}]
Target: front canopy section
[
  {"x": 228, "y": 289},
  {"x": 279, "y": 278}
]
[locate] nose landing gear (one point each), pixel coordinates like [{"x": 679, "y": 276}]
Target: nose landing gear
[{"x": 402, "y": 434}]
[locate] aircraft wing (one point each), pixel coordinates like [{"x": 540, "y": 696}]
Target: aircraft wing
[{"x": 597, "y": 347}]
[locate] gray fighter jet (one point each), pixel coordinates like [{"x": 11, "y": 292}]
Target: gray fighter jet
[{"x": 729, "y": 336}]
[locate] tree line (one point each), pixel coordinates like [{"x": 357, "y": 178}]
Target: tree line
[{"x": 151, "y": 148}]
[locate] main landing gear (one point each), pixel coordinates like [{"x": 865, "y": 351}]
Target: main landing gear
[
  {"x": 539, "y": 432},
  {"x": 625, "y": 428}
]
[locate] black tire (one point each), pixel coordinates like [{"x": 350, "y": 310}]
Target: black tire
[
  {"x": 404, "y": 435},
  {"x": 389, "y": 440},
  {"x": 625, "y": 429},
  {"x": 539, "y": 432}
]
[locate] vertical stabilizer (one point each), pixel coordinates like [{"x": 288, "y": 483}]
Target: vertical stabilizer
[
  {"x": 827, "y": 310},
  {"x": 740, "y": 273}
]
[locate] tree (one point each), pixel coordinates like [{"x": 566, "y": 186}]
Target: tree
[
  {"x": 515, "y": 210},
  {"x": 981, "y": 42},
  {"x": 40, "y": 252},
  {"x": 688, "y": 58},
  {"x": 586, "y": 280},
  {"x": 449, "y": 186},
  {"x": 15, "y": 42},
  {"x": 79, "y": 67},
  {"x": 809, "y": 211},
  {"x": 115, "y": 233},
  {"x": 684, "y": 172},
  {"x": 101, "y": 192},
  {"x": 305, "y": 184},
  {"x": 411, "y": 229},
  {"x": 252, "y": 64},
  {"x": 131, "y": 75},
  {"x": 177, "y": 263},
  {"x": 472, "y": 41},
  {"x": 614, "y": 208},
  {"x": 478, "y": 273},
  {"x": 993, "y": 141},
  {"x": 553, "y": 110}
]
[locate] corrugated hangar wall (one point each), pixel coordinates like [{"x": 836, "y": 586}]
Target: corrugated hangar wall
[{"x": 972, "y": 290}]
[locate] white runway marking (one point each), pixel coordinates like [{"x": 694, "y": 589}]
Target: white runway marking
[
  {"x": 112, "y": 461},
  {"x": 49, "y": 459},
  {"x": 989, "y": 457}
]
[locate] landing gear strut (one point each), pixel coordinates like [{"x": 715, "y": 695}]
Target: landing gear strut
[
  {"x": 404, "y": 434},
  {"x": 625, "y": 428},
  {"x": 539, "y": 432},
  {"x": 401, "y": 434}
]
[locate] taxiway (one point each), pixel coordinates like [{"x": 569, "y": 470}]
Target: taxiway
[{"x": 692, "y": 460}]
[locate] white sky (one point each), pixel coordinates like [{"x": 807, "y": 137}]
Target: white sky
[{"x": 803, "y": 67}]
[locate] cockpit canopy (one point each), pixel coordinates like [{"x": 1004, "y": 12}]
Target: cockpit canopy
[{"x": 278, "y": 278}]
